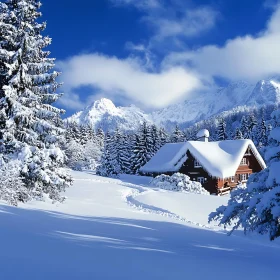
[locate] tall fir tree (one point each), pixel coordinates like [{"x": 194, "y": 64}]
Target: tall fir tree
[
  {"x": 222, "y": 130},
  {"x": 156, "y": 141},
  {"x": 139, "y": 154},
  {"x": 125, "y": 150},
  {"x": 108, "y": 166},
  {"x": 177, "y": 135},
  {"x": 100, "y": 137},
  {"x": 31, "y": 127},
  {"x": 244, "y": 127},
  {"x": 252, "y": 124},
  {"x": 238, "y": 134},
  {"x": 164, "y": 137},
  {"x": 262, "y": 134}
]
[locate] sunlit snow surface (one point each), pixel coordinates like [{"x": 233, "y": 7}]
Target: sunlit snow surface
[{"x": 121, "y": 229}]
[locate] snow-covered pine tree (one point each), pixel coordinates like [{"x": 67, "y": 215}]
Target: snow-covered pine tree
[
  {"x": 252, "y": 124},
  {"x": 257, "y": 206},
  {"x": 156, "y": 141},
  {"x": 262, "y": 134},
  {"x": 100, "y": 136},
  {"x": 244, "y": 127},
  {"x": 29, "y": 128},
  {"x": 109, "y": 166},
  {"x": 222, "y": 130},
  {"x": 75, "y": 156},
  {"x": 92, "y": 154},
  {"x": 91, "y": 133},
  {"x": 142, "y": 150},
  {"x": 115, "y": 151},
  {"x": 12, "y": 188},
  {"x": 177, "y": 135},
  {"x": 238, "y": 134},
  {"x": 163, "y": 135},
  {"x": 139, "y": 155},
  {"x": 145, "y": 134},
  {"x": 125, "y": 150},
  {"x": 84, "y": 134}
]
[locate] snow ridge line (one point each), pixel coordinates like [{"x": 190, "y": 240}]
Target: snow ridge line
[{"x": 131, "y": 201}]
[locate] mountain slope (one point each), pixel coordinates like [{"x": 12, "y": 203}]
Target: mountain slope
[
  {"x": 265, "y": 92},
  {"x": 104, "y": 114}
]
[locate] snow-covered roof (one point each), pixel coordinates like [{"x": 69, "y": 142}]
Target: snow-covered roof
[{"x": 220, "y": 159}]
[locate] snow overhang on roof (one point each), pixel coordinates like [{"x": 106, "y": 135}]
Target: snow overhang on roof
[{"x": 220, "y": 159}]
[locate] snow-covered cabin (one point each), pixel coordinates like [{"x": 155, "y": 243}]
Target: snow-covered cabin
[{"x": 218, "y": 166}]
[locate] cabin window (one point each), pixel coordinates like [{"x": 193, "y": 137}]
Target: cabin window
[
  {"x": 201, "y": 180},
  {"x": 243, "y": 177},
  {"x": 232, "y": 179},
  {"x": 197, "y": 164},
  {"x": 244, "y": 161}
]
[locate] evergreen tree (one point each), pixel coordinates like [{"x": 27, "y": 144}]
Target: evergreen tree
[
  {"x": 177, "y": 135},
  {"x": 146, "y": 138},
  {"x": 125, "y": 150},
  {"x": 115, "y": 152},
  {"x": 238, "y": 134},
  {"x": 156, "y": 141},
  {"x": 252, "y": 124},
  {"x": 31, "y": 127},
  {"x": 262, "y": 134},
  {"x": 75, "y": 156},
  {"x": 108, "y": 166},
  {"x": 85, "y": 134},
  {"x": 100, "y": 136},
  {"x": 244, "y": 127},
  {"x": 257, "y": 206},
  {"x": 163, "y": 135},
  {"x": 139, "y": 155},
  {"x": 222, "y": 130}
]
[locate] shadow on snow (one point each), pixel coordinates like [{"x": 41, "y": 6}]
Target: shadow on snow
[{"x": 51, "y": 245}]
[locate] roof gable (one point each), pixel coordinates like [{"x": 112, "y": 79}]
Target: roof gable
[{"x": 220, "y": 159}]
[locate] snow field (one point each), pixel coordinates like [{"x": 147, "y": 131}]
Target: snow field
[{"x": 97, "y": 234}]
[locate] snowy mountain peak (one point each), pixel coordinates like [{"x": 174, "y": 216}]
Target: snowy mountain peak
[
  {"x": 103, "y": 104},
  {"x": 104, "y": 114}
]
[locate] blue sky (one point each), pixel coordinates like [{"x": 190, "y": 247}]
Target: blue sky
[{"x": 156, "y": 52}]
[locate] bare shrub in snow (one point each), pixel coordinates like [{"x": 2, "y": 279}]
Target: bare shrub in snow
[{"x": 178, "y": 182}]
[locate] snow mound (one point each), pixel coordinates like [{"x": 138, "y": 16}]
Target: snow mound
[{"x": 178, "y": 182}]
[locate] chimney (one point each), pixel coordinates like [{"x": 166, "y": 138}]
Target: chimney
[{"x": 203, "y": 135}]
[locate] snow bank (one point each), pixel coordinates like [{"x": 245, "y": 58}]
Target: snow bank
[{"x": 178, "y": 182}]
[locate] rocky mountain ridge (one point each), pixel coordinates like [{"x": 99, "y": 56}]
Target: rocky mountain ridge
[{"x": 103, "y": 113}]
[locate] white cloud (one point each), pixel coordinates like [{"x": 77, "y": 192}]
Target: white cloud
[
  {"x": 172, "y": 19},
  {"x": 245, "y": 57},
  {"x": 113, "y": 76},
  {"x": 72, "y": 101},
  {"x": 141, "y": 4},
  {"x": 192, "y": 22}
]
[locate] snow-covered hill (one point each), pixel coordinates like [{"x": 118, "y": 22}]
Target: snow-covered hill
[
  {"x": 103, "y": 113},
  {"x": 123, "y": 229}
]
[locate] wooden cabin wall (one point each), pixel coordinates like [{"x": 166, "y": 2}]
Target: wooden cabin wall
[
  {"x": 193, "y": 172},
  {"x": 212, "y": 184}
]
